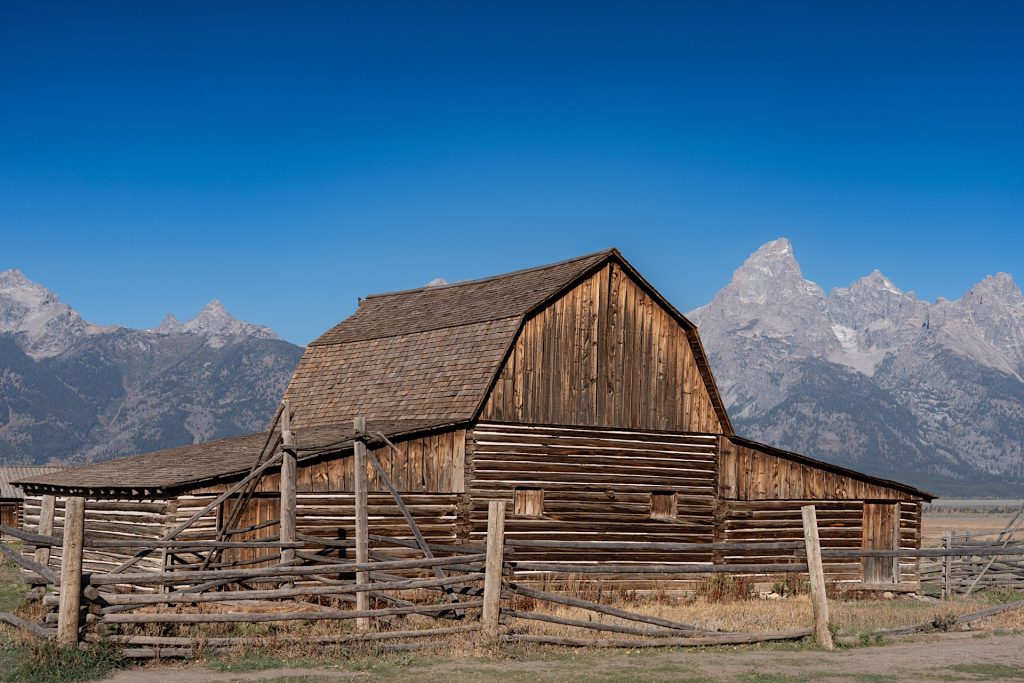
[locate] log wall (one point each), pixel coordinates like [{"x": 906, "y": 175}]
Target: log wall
[
  {"x": 605, "y": 354},
  {"x": 110, "y": 519},
  {"x": 839, "y": 526},
  {"x": 597, "y": 485}
]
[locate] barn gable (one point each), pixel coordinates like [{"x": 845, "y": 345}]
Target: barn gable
[
  {"x": 436, "y": 353},
  {"x": 609, "y": 352}
]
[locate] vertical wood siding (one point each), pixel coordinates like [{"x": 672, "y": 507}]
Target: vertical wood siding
[
  {"x": 605, "y": 354},
  {"x": 749, "y": 474}
]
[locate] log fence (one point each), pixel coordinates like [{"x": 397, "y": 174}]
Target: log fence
[{"x": 479, "y": 589}]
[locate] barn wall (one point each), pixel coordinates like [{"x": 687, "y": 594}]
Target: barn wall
[
  {"x": 428, "y": 471},
  {"x": 762, "y": 493},
  {"x": 596, "y": 484},
  {"x": 749, "y": 474},
  {"x": 427, "y": 464},
  {"x": 328, "y": 515},
  {"x": 839, "y": 526},
  {"x": 607, "y": 355},
  {"x": 114, "y": 519}
]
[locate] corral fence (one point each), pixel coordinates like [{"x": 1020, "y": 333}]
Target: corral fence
[
  {"x": 986, "y": 566},
  {"x": 481, "y": 590}
]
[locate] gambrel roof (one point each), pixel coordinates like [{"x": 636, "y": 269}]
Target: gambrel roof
[{"x": 433, "y": 353}]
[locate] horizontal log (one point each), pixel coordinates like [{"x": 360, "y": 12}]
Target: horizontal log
[
  {"x": 568, "y": 568},
  {"x": 560, "y": 599},
  {"x": 271, "y": 641},
  {"x": 268, "y": 572},
  {"x": 17, "y": 558},
  {"x": 592, "y": 625},
  {"x": 703, "y": 641},
  {"x": 245, "y": 617},
  {"x": 177, "y": 598},
  {"x": 27, "y": 626},
  {"x": 183, "y": 545},
  {"x": 641, "y": 545},
  {"x": 435, "y": 547},
  {"x": 926, "y": 552},
  {"x": 36, "y": 539}
]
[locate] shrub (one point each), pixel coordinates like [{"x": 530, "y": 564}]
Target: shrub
[{"x": 725, "y": 588}]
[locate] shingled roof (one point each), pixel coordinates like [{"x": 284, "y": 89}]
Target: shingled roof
[
  {"x": 161, "y": 473},
  {"x": 9, "y": 475},
  {"x": 432, "y": 353}
]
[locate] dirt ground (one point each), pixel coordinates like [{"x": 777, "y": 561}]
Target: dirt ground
[{"x": 979, "y": 656}]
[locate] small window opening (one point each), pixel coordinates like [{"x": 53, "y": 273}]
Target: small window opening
[
  {"x": 664, "y": 505},
  {"x": 529, "y": 502}
]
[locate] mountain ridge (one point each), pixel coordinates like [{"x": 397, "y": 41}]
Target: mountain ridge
[
  {"x": 73, "y": 392},
  {"x": 871, "y": 376}
]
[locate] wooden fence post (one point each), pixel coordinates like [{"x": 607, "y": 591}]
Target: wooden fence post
[
  {"x": 288, "y": 471},
  {"x": 493, "y": 567},
  {"x": 362, "y": 519},
  {"x": 947, "y": 565},
  {"x": 71, "y": 571},
  {"x": 46, "y": 507},
  {"x": 819, "y": 600},
  {"x": 950, "y": 583}
]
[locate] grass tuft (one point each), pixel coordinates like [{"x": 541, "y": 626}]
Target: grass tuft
[{"x": 45, "y": 662}]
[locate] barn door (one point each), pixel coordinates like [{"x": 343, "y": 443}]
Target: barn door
[{"x": 880, "y": 531}]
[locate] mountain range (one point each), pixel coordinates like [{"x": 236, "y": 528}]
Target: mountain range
[
  {"x": 872, "y": 377},
  {"x": 74, "y": 392},
  {"x": 868, "y": 376}
]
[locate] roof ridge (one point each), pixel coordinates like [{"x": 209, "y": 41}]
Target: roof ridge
[
  {"x": 602, "y": 252},
  {"x": 386, "y": 335}
]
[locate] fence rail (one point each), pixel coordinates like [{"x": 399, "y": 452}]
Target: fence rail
[{"x": 302, "y": 578}]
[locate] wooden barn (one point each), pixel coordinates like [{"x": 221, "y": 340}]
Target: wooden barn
[
  {"x": 574, "y": 391},
  {"x": 12, "y": 498}
]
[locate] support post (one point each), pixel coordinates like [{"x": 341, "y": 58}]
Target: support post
[
  {"x": 288, "y": 471},
  {"x": 896, "y": 546},
  {"x": 42, "y": 554},
  {"x": 362, "y": 519},
  {"x": 71, "y": 571},
  {"x": 947, "y": 563},
  {"x": 819, "y": 600},
  {"x": 493, "y": 567}
]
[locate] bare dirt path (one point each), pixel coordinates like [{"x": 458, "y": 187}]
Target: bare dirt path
[{"x": 945, "y": 657}]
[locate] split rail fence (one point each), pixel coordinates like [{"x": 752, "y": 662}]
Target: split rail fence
[{"x": 483, "y": 590}]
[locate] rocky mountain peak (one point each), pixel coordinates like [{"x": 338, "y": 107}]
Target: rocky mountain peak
[
  {"x": 169, "y": 325},
  {"x": 215, "y": 321},
  {"x": 1000, "y": 287},
  {"x": 43, "y": 324}
]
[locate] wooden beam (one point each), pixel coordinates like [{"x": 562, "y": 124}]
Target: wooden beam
[
  {"x": 362, "y": 519},
  {"x": 494, "y": 565},
  {"x": 288, "y": 473},
  {"x": 71, "y": 572},
  {"x": 45, "y": 528},
  {"x": 819, "y": 599},
  {"x": 14, "y": 556}
]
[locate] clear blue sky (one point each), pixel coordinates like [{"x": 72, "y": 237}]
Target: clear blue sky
[{"x": 287, "y": 157}]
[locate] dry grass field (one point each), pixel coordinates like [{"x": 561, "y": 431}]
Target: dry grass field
[{"x": 937, "y": 521}]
